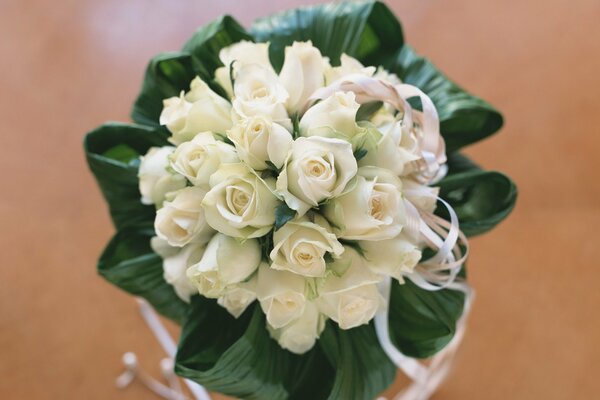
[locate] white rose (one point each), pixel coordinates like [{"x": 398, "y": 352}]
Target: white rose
[
  {"x": 302, "y": 73},
  {"x": 240, "y": 203},
  {"x": 200, "y": 110},
  {"x": 155, "y": 180},
  {"x": 351, "y": 299},
  {"x": 392, "y": 257},
  {"x": 387, "y": 76},
  {"x": 236, "y": 298},
  {"x": 332, "y": 117},
  {"x": 257, "y": 91},
  {"x": 300, "y": 335},
  {"x": 316, "y": 169},
  {"x": 300, "y": 247},
  {"x": 281, "y": 295},
  {"x": 176, "y": 261},
  {"x": 226, "y": 261},
  {"x": 421, "y": 196},
  {"x": 395, "y": 150},
  {"x": 348, "y": 65},
  {"x": 258, "y": 140},
  {"x": 182, "y": 221},
  {"x": 372, "y": 210},
  {"x": 199, "y": 158},
  {"x": 243, "y": 52}
]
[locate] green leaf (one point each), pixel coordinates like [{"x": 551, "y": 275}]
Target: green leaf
[
  {"x": 481, "y": 199},
  {"x": 283, "y": 214},
  {"x": 365, "y": 111},
  {"x": 423, "y": 322},
  {"x": 112, "y": 151},
  {"x": 360, "y": 153},
  {"x": 464, "y": 118},
  {"x": 460, "y": 163},
  {"x": 237, "y": 357},
  {"x": 206, "y": 43},
  {"x": 166, "y": 76},
  {"x": 363, "y": 370},
  {"x": 129, "y": 263},
  {"x": 366, "y": 30}
]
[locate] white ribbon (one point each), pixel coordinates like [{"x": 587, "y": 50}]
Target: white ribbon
[{"x": 132, "y": 370}]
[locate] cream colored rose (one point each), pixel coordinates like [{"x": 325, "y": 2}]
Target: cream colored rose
[
  {"x": 199, "y": 158},
  {"x": 226, "y": 261},
  {"x": 387, "y": 76},
  {"x": 199, "y": 110},
  {"x": 300, "y": 247},
  {"x": 396, "y": 149},
  {"x": 316, "y": 169},
  {"x": 302, "y": 73},
  {"x": 240, "y": 54},
  {"x": 257, "y": 91},
  {"x": 258, "y": 140},
  {"x": 301, "y": 334},
  {"x": 351, "y": 299},
  {"x": 281, "y": 295},
  {"x": 391, "y": 257},
  {"x": 348, "y": 65},
  {"x": 372, "y": 210},
  {"x": 240, "y": 203},
  {"x": 155, "y": 180},
  {"x": 334, "y": 116},
  {"x": 176, "y": 261},
  {"x": 236, "y": 298},
  {"x": 421, "y": 196},
  {"x": 182, "y": 221}
]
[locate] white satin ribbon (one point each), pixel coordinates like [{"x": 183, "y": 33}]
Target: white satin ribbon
[{"x": 132, "y": 370}]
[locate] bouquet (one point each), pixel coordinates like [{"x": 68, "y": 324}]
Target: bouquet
[{"x": 293, "y": 196}]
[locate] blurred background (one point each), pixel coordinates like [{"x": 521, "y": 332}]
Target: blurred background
[{"x": 66, "y": 66}]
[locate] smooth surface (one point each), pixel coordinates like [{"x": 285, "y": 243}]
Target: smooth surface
[{"x": 66, "y": 66}]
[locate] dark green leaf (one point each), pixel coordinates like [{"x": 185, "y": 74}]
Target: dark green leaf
[
  {"x": 207, "y": 42},
  {"x": 166, "y": 76},
  {"x": 283, "y": 214},
  {"x": 170, "y": 73},
  {"x": 129, "y": 263},
  {"x": 111, "y": 150},
  {"x": 360, "y": 153},
  {"x": 238, "y": 357},
  {"x": 363, "y": 370},
  {"x": 365, "y": 111},
  {"x": 459, "y": 163},
  {"x": 364, "y": 30},
  {"x": 481, "y": 199},
  {"x": 464, "y": 118},
  {"x": 423, "y": 322}
]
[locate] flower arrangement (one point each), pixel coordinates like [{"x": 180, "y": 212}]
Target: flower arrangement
[{"x": 293, "y": 195}]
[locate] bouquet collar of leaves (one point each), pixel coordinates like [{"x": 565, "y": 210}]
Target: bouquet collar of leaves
[{"x": 227, "y": 341}]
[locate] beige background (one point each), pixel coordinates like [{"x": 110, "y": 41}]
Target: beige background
[{"x": 66, "y": 66}]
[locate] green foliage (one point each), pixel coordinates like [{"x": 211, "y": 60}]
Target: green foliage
[
  {"x": 423, "y": 322},
  {"x": 481, "y": 199},
  {"x": 129, "y": 263},
  {"x": 238, "y": 357},
  {"x": 283, "y": 214},
  {"x": 112, "y": 151}
]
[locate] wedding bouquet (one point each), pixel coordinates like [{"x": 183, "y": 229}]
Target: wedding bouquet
[{"x": 293, "y": 196}]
